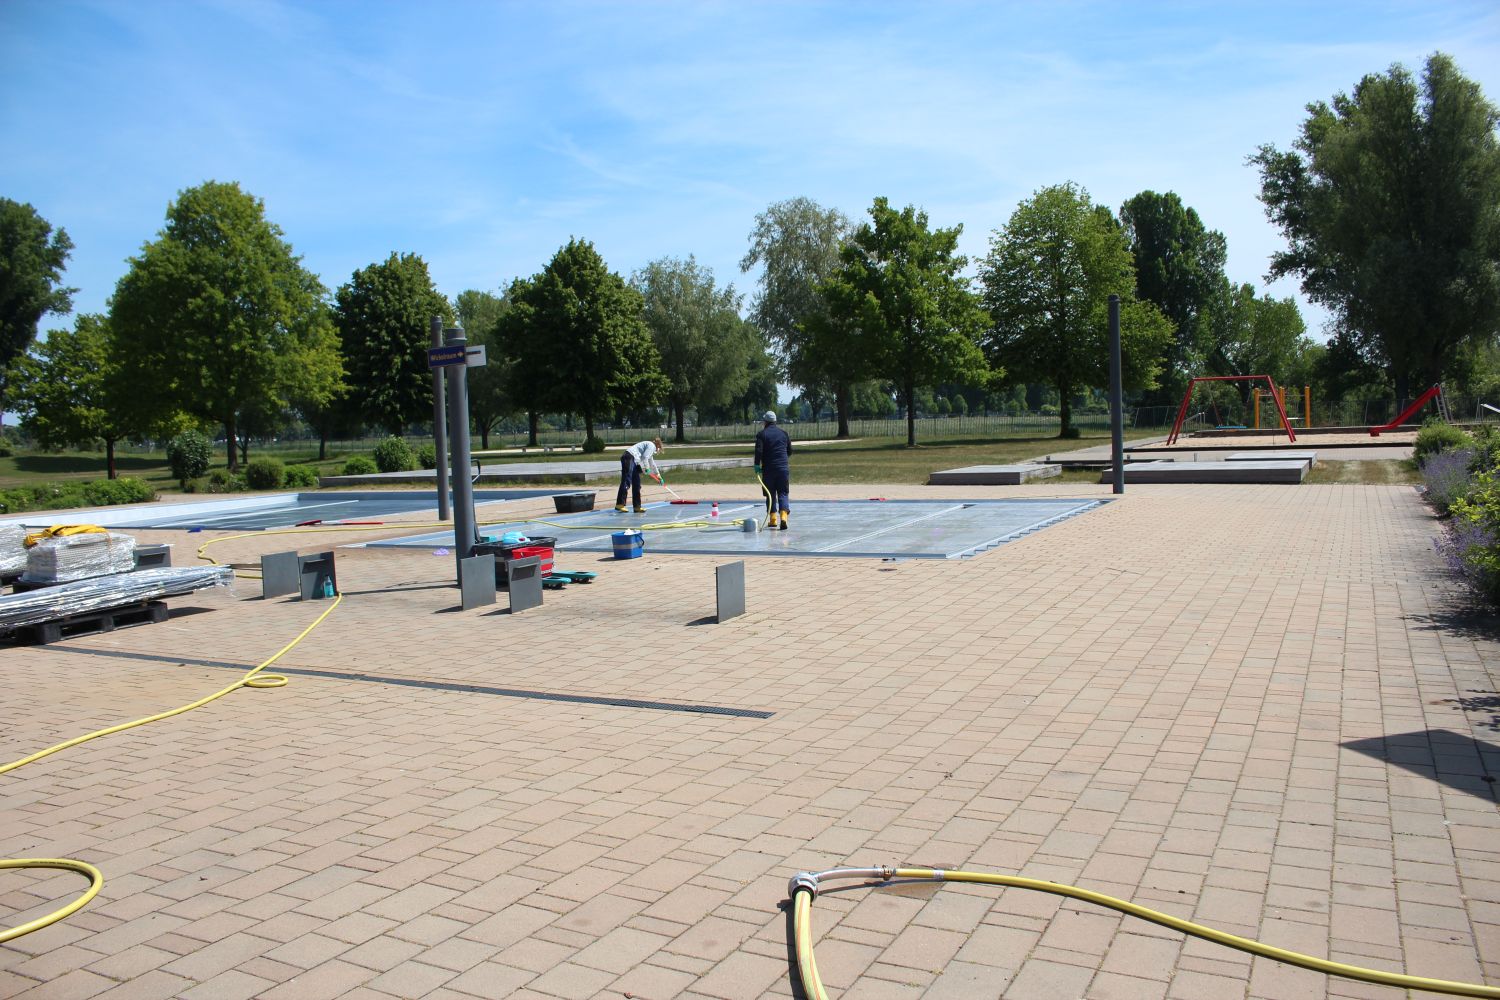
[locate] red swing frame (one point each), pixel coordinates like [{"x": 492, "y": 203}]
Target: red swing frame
[{"x": 1188, "y": 395}]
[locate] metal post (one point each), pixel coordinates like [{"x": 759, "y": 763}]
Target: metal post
[
  {"x": 1116, "y": 397},
  {"x": 464, "y": 533},
  {"x": 440, "y": 425}
]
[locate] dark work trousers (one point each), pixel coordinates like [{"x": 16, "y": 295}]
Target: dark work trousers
[
  {"x": 630, "y": 479},
  {"x": 778, "y": 486}
]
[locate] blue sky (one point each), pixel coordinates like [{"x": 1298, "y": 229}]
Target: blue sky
[{"x": 484, "y": 135}]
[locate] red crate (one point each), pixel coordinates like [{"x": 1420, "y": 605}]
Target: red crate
[{"x": 545, "y": 551}]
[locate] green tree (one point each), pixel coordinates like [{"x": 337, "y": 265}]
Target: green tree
[
  {"x": 1179, "y": 268},
  {"x": 384, "y": 314},
  {"x": 1255, "y": 335},
  {"x": 899, "y": 301},
  {"x": 1048, "y": 278},
  {"x": 523, "y": 344},
  {"x": 218, "y": 316},
  {"x": 32, "y": 258},
  {"x": 490, "y": 400},
  {"x": 70, "y": 394},
  {"x": 798, "y": 243},
  {"x": 704, "y": 345},
  {"x": 576, "y": 333},
  {"x": 1388, "y": 204}
]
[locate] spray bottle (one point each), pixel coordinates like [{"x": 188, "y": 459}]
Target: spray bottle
[{"x": 714, "y": 514}]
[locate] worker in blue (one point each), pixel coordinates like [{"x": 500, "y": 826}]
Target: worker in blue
[
  {"x": 773, "y": 450},
  {"x": 641, "y": 455}
]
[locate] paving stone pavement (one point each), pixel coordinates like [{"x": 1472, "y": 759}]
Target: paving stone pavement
[{"x": 1260, "y": 707}]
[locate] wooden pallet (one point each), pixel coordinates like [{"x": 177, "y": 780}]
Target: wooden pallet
[{"x": 145, "y": 613}]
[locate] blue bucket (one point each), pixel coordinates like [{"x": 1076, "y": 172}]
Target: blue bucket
[{"x": 628, "y": 544}]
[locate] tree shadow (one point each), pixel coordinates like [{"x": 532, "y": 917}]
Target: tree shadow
[
  {"x": 1453, "y": 759},
  {"x": 59, "y": 465}
]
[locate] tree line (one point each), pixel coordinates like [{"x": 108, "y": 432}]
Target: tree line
[{"x": 1389, "y": 200}]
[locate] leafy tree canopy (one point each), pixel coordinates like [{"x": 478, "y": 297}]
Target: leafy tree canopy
[
  {"x": 1048, "y": 278},
  {"x": 899, "y": 301},
  {"x": 1388, "y": 204},
  {"x": 797, "y": 243},
  {"x": 1179, "y": 268},
  {"x": 581, "y": 324},
  {"x": 32, "y": 258},
  {"x": 490, "y": 401},
  {"x": 384, "y": 315},
  {"x": 704, "y": 345},
  {"x": 218, "y": 316}
]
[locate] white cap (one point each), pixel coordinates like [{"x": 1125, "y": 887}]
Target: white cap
[{"x": 770, "y": 417}]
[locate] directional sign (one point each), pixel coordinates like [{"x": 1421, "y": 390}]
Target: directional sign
[
  {"x": 475, "y": 357},
  {"x": 445, "y": 357}
]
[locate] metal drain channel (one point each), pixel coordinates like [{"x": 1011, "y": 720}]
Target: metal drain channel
[{"x": 570, "y": 699}]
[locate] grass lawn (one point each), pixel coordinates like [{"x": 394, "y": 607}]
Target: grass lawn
[{"x": 865, "y": 460}]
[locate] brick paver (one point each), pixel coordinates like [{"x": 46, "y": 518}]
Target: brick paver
[{"x": 1263, "y": 707}]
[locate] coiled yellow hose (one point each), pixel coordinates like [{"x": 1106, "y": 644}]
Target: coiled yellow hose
[
  {"x": 805, "y": 885},
  {"x": 252, "y": 679}
]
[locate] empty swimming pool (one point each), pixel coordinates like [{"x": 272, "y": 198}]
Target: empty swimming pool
[{"x": 917, "y": 529}]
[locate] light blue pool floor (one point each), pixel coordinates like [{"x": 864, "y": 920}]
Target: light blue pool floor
[{"x": 919, "y": 529}]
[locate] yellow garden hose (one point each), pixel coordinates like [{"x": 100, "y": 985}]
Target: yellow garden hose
[
  {"x": 252, "y": 679},
  {"x": 96, "y": 882},
  {"x": 804, "y": 886}
]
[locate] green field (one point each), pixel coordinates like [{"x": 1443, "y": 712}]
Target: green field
[{"x": 863, "y": 460}]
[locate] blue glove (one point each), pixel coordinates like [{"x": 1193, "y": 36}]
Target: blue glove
[{"x": 757, "y": 470}]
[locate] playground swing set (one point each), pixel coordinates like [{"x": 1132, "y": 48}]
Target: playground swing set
[{"x": 1278, "y": 397}]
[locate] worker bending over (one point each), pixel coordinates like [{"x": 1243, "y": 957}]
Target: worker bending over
[
  {"x": 773, "y": 450},
  {"x": 641, "y": 455}
]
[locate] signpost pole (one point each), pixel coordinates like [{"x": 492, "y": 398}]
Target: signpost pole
[
  {"x": 1116, "y": 399},
  {"x": 465, "y": 533},
  {"x": 439, "y": 425}
]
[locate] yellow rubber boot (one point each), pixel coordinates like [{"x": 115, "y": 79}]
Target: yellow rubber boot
[{"x": 783, "y": 520}]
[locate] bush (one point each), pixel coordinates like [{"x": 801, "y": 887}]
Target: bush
[
  {"x": 359, "y": 465},
  {"x": 593, "y": 445},
  {"x": 6, "y": 451},
  {"x": 1445, "y": 478},
  {"x": 61, "y": 496},
  {"x": 1486, "y": 449},
  {"x": 188, "y": 455},
  {"x": 1436, "y": 437},
  {"x": 301, "y": 475},
  {"x": 223, "y": 481},
  {"x": 105, "y": 492},
  {"x": 427, "y": 456},
  {"x": 1473, "y": 544},
  {"x": 265, "y": 474},
  {"x": 394, "y": 455}
]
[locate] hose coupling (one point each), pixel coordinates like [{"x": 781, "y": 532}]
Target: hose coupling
[{"x": 802, "y": 880}]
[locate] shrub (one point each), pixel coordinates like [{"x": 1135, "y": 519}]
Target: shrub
[
  {"x": 359, "y": 465},
  {"x": 188, "y": 455},
  {"x": 427, "y": 456},
  {"x": 61, "y": 496},
  {"x": 1436, "y": 437},
  {"x": 301, "y": 475},
  {"x": 104, "y": 492},
  {"x": 265, "y": 474},
  {"x": 6, "y": 451},
  {"x": 593, "y": 445},
  {"x": 1474, "y": 542},
  {"x": 223, "y": 481},
  {"x": 394, "y": 455},
  {"x": 1486, "y": 449},
  {"x": 1445, "y": 478}
]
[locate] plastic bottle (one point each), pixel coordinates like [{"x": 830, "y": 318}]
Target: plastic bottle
[
  {"x": 327, "y": 586},
  {"x": 714, "y": 514}
]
